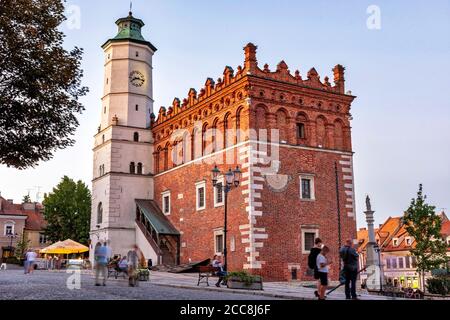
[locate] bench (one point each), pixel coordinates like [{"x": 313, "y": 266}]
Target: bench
[{"x": 205, "y": 272}]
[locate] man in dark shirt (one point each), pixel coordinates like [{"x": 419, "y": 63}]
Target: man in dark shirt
[{"x": 350, "y": 257}]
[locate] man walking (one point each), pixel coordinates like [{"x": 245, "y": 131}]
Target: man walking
[
  {"x": 350, "y": 258},
  {"x": 101, "y": 263},
  {"x": 133, "y": 258},
  {"x": 312, "y": 262},
  {"x": 29, "y": 262}
]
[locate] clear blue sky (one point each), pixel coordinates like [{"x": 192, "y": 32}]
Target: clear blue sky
[{"x": 400, "y": 74}]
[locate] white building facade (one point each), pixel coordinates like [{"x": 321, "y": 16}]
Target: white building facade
[{"x": 123, "y": 145}]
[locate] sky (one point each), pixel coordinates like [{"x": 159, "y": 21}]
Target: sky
[{"x": 398, "y": 66}]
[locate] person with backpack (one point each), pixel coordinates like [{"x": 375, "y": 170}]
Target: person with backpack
[
  {"x": 350, "y": 257},
  {"x": 312, "y": 261}
]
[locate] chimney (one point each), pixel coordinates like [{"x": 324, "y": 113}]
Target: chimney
[
  {"x": 250, "y": 63},
  {"x": 339, "y": 80}
]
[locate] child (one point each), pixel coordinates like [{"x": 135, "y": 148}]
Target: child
[{"x": 322, "y": 268}]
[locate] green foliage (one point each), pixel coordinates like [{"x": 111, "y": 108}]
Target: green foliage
[
  {"x": 243, "y": 276},
  {"x": 67, "y": 211},
  {"x": 439, "y": 285},
  {"x": 40, "y": 82},
  {"x": 21, "y": 247},
  {"x": 422, "y": 223}
]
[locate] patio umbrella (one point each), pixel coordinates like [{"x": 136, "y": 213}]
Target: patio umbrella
[{"x": 65, "y": 247}]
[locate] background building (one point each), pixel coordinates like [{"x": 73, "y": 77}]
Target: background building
[
  {"x": 19, "y": 221},
  {"x": 399, "y": 266}
]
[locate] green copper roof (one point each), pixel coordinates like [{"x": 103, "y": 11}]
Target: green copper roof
[{"x": 130, "y": 29}]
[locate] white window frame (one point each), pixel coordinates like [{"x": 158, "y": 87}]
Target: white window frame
[
  {"x": 312, "y": 186},
  {"x": 303, "y": 242},
  {"x": 219, "y": 204},
  {"x": 395, "y": 242},
  {"x": 7, "y": 224},
  {"x": 164, "y": 195},
  {"x": 199, "y": 185},
  {"x": 218, "y": 232},
  {"x": 408, "y": 239}
]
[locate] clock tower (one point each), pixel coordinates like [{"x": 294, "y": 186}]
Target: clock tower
[{"x": 123, "y": 143}]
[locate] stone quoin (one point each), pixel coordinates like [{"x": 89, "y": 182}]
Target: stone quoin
[{"x": 287, "y": 133}]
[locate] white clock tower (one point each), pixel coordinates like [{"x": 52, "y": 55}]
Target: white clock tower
[{"x": 123, "y": 144}]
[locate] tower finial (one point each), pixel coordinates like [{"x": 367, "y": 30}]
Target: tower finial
[{"x": 131, "y": 7}]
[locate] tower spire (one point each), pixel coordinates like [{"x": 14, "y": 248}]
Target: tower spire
[{"x": 131, "y": 8}]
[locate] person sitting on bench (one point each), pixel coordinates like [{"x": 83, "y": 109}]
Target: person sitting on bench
[
  {"x": 123, "y": 265},
  {"x": 217, "y": 263}
]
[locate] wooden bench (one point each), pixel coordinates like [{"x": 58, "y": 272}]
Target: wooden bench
[{"x": 205, "y": 272}]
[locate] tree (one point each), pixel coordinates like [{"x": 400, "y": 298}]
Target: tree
[
  {"x": 40, "y": 82},
  {"x": 21, "y": 247},
  {"x": 67, "y": 211},
  {"x": 26, "y": 199},
  {"x": 424, "y": 225}
]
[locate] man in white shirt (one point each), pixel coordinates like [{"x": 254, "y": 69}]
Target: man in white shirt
[
  {"x": 322, "y": 268},
  {"x": 30, "y": 258}
]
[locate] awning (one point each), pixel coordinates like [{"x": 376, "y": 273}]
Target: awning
[
  {"x": 157, "y": 219},
  {"x": 65, "y": 247}
]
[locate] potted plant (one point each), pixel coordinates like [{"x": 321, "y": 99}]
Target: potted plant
[
  {"x": 244, "y": 280},
  {"x": 143, "y": 274}
]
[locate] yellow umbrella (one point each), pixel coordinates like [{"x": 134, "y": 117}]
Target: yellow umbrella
[{"x": 65, "y": 247}]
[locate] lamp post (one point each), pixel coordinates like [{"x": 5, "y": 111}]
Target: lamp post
[
  {"x": 378, "y": 250},
  {"x": 232, "y": 180},
  {"x": 11, "y": 236}
]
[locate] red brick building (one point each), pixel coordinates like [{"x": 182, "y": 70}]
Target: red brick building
[{"x": 288, "y": 191}]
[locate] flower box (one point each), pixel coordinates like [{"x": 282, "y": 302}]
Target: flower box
[{"x": 245, "y": 283}]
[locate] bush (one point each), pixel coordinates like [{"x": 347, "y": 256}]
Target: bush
[
  {"x": 12, "y": 260},
  {"x": 243, "y": 276},
  {"x": 439, "y": 285}
]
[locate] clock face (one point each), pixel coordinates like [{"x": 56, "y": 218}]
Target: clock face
[{"x": 137, "y": 79}]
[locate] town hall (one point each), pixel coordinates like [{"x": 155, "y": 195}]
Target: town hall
[{"x": 159, "y": 175}]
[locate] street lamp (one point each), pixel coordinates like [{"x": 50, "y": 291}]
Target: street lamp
[
  {"x": 378, "y": 250},
  {"x": 11, "y": 236},
  {"x": 232, "y": 180}
]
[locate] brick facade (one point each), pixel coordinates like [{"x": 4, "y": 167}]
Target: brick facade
[{"x": 308, "y": 128}]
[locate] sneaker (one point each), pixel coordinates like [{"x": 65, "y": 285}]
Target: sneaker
[
  {"x": 217, "y": 285},
  {"x": 316, "y": 293},
  {"x": 97, "y": 284}
]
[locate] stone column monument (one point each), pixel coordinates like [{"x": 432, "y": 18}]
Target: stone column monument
[{"x": 374, "y": 271}]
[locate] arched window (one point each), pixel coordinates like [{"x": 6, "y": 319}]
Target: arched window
[
  {"x": 132, "y": 168},
  {"x": 260, "y": 120},
  {"x": 321, "y": 131},
  {"x": 204, "y": 138},
  {"x": 282, "y": 125},
  {"x": 193, "y": 142},
  {"x": 238, "y": 125},
  {"x": 103, "y": 138},
  {"x": 157, "y": 159},
  {"x": 139, "y": 168},
  {"x": 338, "y": 135},
  {"x": 136, "y": 137},
  {"x": 166, "y": 157},
  {"x": 225, "y": 130},
  {"x": 99, "y": 213},
  {"x": 214, "y": 136}
]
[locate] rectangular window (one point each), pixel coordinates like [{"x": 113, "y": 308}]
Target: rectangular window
[
  {"x": 408, "y": 262},
  {"x": 395, "y": 242},
  {"x": 42, "y": 238},
  {"x": 413, "y": 262},
  {"x": 400, "y": 263},
  {"x": 200, "y": 195},
  {"x": 301, "y": 131},
  {"x": 388, "y": 263},
  {"x": 408, "y": 241},
  {"x": 219, "y": 193},
  {"x": 219, "y": 243},
  {"x": 8, "y": 230},
  {"x": 394, "y": 263},
  {"x": 166, "y": 202},
  {"x": 307, "y": 187},
  {"x": 309, "y": 240},
  {"x": 137, "y": 107}
]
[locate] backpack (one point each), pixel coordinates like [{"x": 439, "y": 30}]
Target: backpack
[{"x": 312, "y": 258}]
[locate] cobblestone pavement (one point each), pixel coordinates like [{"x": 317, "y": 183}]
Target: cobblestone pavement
[{"x": 51, "y": 285}]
